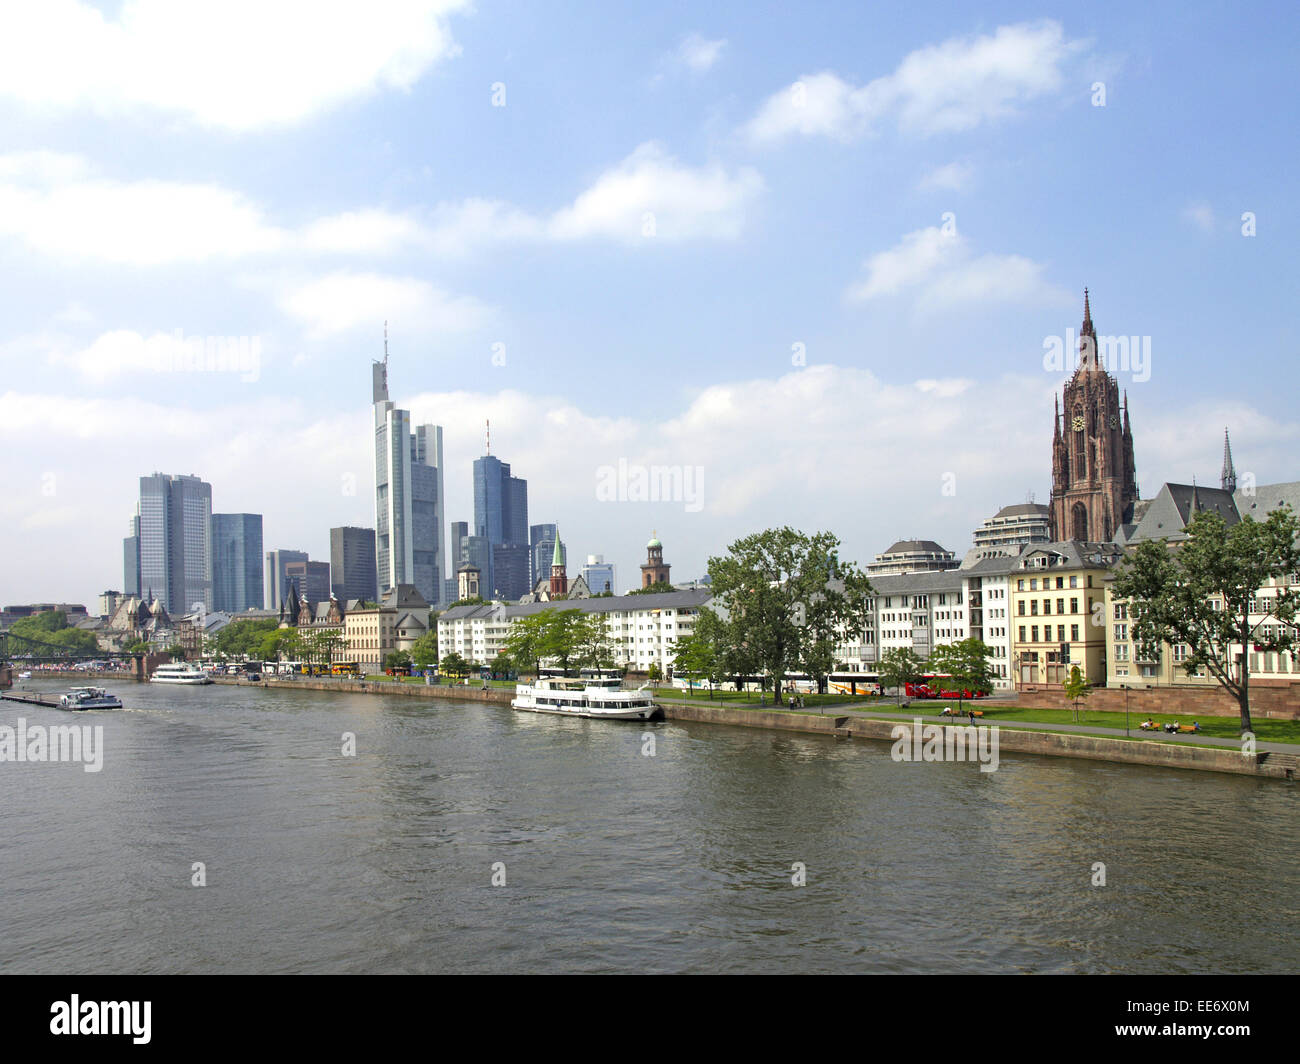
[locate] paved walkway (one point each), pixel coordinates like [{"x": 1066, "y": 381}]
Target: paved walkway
[{"x": 891, "y": 712}]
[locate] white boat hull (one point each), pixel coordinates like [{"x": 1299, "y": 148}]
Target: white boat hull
[{"x": 636, "y": 713}]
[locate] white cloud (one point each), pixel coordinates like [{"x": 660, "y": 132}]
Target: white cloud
[
  {"x": 953, "y": 176},
  {"x": 649, "y": 194},
  {"x": 341, "y": 302},
  {"x": 699, "y": 54},
  {"x": 1201, "y": 215},
  {"x": 938, "y": 268},
  {"x": 235, "y": 64},
  {"x": 957, "y": 85},
  {"x": 59, "y": 206}
]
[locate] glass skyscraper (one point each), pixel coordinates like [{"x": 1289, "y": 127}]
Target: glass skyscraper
[
  {"x": 174, "y": 537},
  {"x": 352, "y": 564},
  {"x": 501, "y": 518},
  {"x": 236, "y": 562},
  {"x": 541, "y": 544},
  {"x": 408, "y": 497}
]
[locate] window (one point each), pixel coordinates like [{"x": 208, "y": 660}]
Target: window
[
  {"x": 1074, "y": 632},
  {"x": 1033, "y": 608},
  {"x": 1020, "y": 585},
  {"x": 1074, "y": 605},
  {"x": 1033, "y": 638},
  {"x": 1022, "y": 633},
  {"x": 1121, "y": 632},
  {"x": 1021, "y": 607},
  {"x": 1033, "y": 584},
  {"x": 1074, "y": 581},
  {"x": 1060, "y": 581},
  {"x": 1060, "y": 605},
  {"x": 1121, "y": 653}
]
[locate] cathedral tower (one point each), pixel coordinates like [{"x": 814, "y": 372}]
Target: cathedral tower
[{"x": 1094, "y": 485}]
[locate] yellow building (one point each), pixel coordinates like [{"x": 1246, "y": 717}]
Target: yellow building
[{"x": 1058, "y": 603}]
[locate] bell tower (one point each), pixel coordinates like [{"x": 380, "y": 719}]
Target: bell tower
[
  {"x": 654, "y": 571},
  {"x": 1094, "y": 484}
]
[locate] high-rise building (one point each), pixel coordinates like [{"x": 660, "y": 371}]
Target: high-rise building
[
  {"x": 501, "y": 518},
  {"x": 353, "y": 573},
  {"x": 1094, "y": 487},
  {"x": 311, "y": 579},
  {"x": 237, "y": 562},
  {"x": 599, "y": 575},
  {"x": 408, "y": 496},
  {"x": 174, "y": 542},
  {"x": 541, "y": 545},
  {"x": 276, "y": 583},
  {"x": 131, "y": 558}
]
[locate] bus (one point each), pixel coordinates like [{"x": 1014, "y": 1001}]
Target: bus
[{"x": 346, "y": 668}]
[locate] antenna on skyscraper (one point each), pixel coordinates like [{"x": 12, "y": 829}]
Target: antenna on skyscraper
[
  {"x": 385, "y": 346},
  {"x": 488, "y": 423}
]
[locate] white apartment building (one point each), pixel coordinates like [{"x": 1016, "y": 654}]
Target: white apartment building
[{"x": 643, "y": 629}]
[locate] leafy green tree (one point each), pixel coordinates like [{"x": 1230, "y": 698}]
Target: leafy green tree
[
  {"x": 424, "y": 651},
  {"x": 788, "y": 596},
  {"x": 655, "y": 673},
  {"x": 592, "y": 648},
  {"x": 967, "y": 662},
  {"x": 176, "y": 652},
  {"x": 397, "y": 659},
  {"x": 898, "y": 667},
  {"x": 280, "y": 644},
  {"x": 502, "y": 666},
  {"x": 242, "y": 639},
  {"x": 1076, "y": 688},
  {"x": 454, "y": 665},
  {"x": 529, "y": 640},
  {"x": 696, "y": 656},
  {"x": 474, "y": 600},
  {"x": 1200, "y": 592}
]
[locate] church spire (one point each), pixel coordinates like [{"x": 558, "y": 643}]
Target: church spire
[
  {"x": 1087, "y": 336},
  {"x": 1228, "y": 478}
]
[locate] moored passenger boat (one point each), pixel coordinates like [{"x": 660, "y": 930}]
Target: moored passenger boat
[{"x": 598, "y": 699}]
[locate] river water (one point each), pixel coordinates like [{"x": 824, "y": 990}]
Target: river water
[{"x": 614, "y": 860}]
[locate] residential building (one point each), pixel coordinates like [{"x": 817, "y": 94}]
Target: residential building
[
  {"x": 237, "y": 562},
  {"x": 353, "y": 571},
  {"x": 1058, "y": 612},
  {"x": 370, "y": 634},
  {"x": 643, "y": 629},
  {"x": 912, "y": 556}
]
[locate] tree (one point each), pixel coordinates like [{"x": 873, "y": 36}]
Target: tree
[
  {"x": 899, "y": 666},
  {"x": 280, "y": 643},
  {"x": 241, "y": 639},
  {"x": 473, "y": 600},
  {"x": 502, "y": 666},
  {"x": 1203, "y": 591},
  {"x": 787, "y": 598},
  {"x": 695, "y": 656},
  {"x": 529, "y": 640},
  {"x": 1076, "y": 688},
  {"x": 654, "y": 673},
  {"x": 966, "y": 661},
  {"x": 592, "y": 648},
  {"x": 657, "y": 588},
  {"x": 454, "y": 665},
  {"x": 397, "y": 659},
  {"x": 424, "y": 651}
]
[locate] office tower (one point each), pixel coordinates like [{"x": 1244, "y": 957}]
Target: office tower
[
  {"x": 541, "y": 545},
  {"x": 174, "y": 521},
  {"x": 459, "y": 534},
  {"x": 131, "y": 558},
  {"x": 501, "y": 518},
  {"x": 599, "y": 574},
  {"x": 276, "y": 577},
  {"x": 352, "y": 564},
  {"x": 408, "y": 495},
  {"x": 237, "y": 562},
  {"x": 312, "y": 579}
]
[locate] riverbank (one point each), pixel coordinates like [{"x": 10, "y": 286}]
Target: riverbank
[{"x": 1268, "y": 764}]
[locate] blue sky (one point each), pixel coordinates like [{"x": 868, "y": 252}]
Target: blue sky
[{"x": 640, "y": 211}]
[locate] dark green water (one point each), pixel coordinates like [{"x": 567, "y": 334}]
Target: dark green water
[{"x": 614, "y": 861}]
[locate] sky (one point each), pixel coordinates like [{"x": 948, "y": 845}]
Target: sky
[{"x": 810, "y": 260}]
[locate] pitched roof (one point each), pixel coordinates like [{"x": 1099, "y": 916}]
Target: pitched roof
[{"x": 667, "y": 600}]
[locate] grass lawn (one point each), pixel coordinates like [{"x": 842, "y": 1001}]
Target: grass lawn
[
  {"x": 747, "y": 697},
  {"x": 1266, "y": 730}
]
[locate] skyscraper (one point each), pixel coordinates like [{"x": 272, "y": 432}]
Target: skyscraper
[
  {"x": 236, "y": 562},
  {"x": 174, "y": 523},
  {"x": 131, "y": 557},
  {"x": 501, "y": 518},
  {"x": 599, "y": 574},
  {"x": 541, "y": 543},
  {"x": 312, "y": 579},
  {"x": 277, "y": 562},
  {"x": 352, "y": 564},
  {"x": 408, "y": 495}
]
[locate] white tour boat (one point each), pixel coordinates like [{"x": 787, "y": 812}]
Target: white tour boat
[
  {"x": 599, "y": 699},
  {"x": 179, "y": 673},
  {"x": 90, "y": 698}
]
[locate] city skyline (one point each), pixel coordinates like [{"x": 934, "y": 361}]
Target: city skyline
[{"x": 814, "y": 281}]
